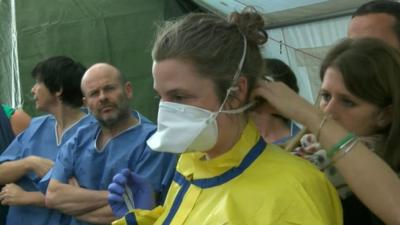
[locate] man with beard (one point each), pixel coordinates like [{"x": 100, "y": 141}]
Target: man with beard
[{"x": 86, "y": 165}]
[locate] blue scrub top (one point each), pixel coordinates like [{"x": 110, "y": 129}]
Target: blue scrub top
[
  {"x": 94, "y": 168},
  {"x": 38, "y": 139},
  {"x": 294, "y": 129}
]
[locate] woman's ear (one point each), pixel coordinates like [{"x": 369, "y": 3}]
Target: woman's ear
[
  {"x": 238, "y": 94},
  {"x": 385, "y": 117},
  {"x": 240, "y": 90}
]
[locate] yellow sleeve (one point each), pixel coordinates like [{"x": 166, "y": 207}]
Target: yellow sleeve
[{"x": 140, "y": 217}]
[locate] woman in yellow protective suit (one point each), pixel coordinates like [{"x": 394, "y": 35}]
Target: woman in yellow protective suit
[{"x": 204, "y": 70}]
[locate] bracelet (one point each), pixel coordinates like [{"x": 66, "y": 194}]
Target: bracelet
[
  {"x": 340, "y": 144},
  {"x": 347, "y": 150},
  {"x": 324, "y": 119}
]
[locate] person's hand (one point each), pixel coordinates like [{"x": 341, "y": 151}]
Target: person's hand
[
  {"x": 12, "y": 194},
  {"x": 73, "y": 181},
  {"x": 39, "y": 165},
  {"x": 143, "y": 195},
  {"x": 281, "y": 98},
  {"x": 308, "y": 145},
  {"x": 311, "y": 150}
]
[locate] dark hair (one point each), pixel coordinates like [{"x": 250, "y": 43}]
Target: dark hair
[
  {"x": 214, "y": 46},
  {"x": 279, "y": 71},
  {"x": 370, "y": 70},
  {"x": 61, "y": 73},
  {"x": 389, "y": 7}
]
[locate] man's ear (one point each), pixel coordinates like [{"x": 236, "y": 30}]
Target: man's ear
[
  {"x": 385, "y": 117},
  {"x": 128, "y": 89},
  {"x": 84, "y": 101}
]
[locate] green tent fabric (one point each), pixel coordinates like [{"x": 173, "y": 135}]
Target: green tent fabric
[
  {"x": 117, "y": 32},
  {"x": 9, "y": 80}
]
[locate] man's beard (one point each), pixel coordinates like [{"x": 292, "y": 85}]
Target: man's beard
[{"x": 122, "y": 115}]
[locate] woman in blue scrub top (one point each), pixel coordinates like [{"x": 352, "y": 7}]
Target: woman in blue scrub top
[{"x": 30, "y": 156}]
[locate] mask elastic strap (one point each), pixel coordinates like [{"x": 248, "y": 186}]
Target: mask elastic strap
[
  {"x": 240, "y": 66},
  {"x": 239, "y": 110},
  {"x": 237, "y": 74}
]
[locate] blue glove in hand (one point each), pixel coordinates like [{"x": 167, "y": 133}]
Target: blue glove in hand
[{"x": 143, "y": 195}]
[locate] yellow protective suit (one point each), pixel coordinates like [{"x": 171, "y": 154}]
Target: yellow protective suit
[{"x": 249, "y": 185}]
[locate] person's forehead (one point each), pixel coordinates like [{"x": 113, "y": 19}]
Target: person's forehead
[
  {"x": 374, "y": 25},
  {"x": 175, "y": 73},
  {"x": 100, "y": 79}
]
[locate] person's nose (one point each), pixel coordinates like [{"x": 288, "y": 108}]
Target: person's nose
[
  {"x": 33, "y": 89},
  {"x": 331, "y": 108},
  {"x": 102, "y": 95}
]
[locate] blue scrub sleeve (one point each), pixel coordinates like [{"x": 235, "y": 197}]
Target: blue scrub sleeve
[
  {"x": 64, "y": 166},
  {"x": 17, "y": 150},
  {"x": 44, "y": 182},
  {"x": 14, "y": 151}
]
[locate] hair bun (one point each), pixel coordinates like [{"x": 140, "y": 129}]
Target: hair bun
[{"x": 250, "y": 24}]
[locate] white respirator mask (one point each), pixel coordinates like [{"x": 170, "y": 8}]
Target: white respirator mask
[{"x": 184, "y": 128}]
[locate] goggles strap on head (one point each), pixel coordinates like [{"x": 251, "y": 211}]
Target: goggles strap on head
[{"x": 269, "y": 78}]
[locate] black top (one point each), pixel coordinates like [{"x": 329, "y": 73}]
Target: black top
[
  {"x": 356, "y": 213},
  {"x": 6, "y": 133}
]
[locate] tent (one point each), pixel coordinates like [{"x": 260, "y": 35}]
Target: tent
[{"x": 90, "y": 31}]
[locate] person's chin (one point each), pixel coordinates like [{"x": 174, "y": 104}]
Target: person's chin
[{"x": 110, "y": 118}]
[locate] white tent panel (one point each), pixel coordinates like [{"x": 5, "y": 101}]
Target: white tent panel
[
  {"x": 280, "y": 13},
  {"x": 303, "y": 47},
  {"x": 9, "y": 67}
]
